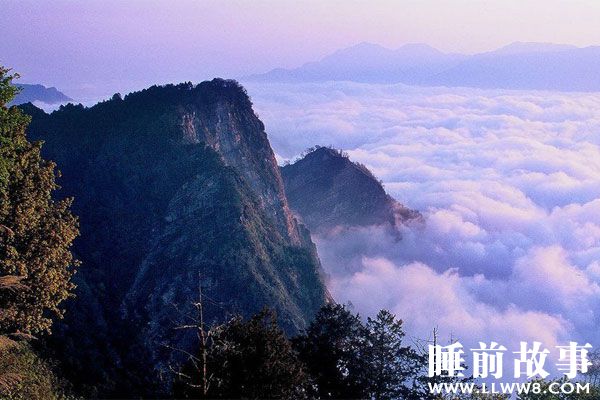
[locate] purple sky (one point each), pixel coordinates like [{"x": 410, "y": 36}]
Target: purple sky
[{"x": 111, "y": 45}]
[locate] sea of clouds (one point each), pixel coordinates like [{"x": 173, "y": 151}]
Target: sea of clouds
[{"x": 508, "y": 182}]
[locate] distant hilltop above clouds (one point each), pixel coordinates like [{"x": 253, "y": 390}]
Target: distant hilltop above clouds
[
  {"x": 328, "y": 191},
  {"x": 31, "y": 93},
  {"x": 520, "y": 65}
]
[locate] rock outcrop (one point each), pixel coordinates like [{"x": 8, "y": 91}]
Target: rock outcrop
[
  {"x": 177, "y": 188},
  {"x": 328, "y": 191}
]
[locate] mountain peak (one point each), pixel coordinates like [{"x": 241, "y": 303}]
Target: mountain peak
[
  {"x": 419, "y": 49},
  {"x": 187, "y": 93},
  {"x": 30, "y": 93},
  {"x": 327, "y": 191},
  {"x": 325, "y": 152},
  {"x": 518, "y": 65},
  {"x": 177, "y": 187},
  {"x": 362, "y": 49},
  {"x": 369, "y": 62}
]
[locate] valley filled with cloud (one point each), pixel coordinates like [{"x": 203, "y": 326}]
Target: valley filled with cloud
[{"x": 508, "y": 182}]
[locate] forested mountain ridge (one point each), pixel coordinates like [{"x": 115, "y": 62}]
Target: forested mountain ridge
[
  {"x": 327, "y": 191},
  {"x": 177, "y": 188}
]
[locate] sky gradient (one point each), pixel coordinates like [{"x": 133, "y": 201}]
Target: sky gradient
[{"x": 117, "y": 45}]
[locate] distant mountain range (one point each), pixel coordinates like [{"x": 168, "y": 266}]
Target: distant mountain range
[
  {"x": 540, "y": 66},
  {"x": 31, "y": 93}
]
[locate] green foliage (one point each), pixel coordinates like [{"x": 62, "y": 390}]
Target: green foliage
[
  {"x": 36, "y": 232},
  {"x": 10, "y": 120},
  {"x": 390, "y": 369},
  {"x": 35, "y": 236},
  {"x": 25, "y": 376},
  {"x": 339, "y": 357},
  {"x": 7, "y": 90}
]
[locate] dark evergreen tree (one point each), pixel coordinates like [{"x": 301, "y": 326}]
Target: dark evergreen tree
[
  {"x": 245, "y": 359},
  {"x": 351, "y": 360},
  {"x": 331, "y": 350},
  {"x": 390, "y": 368}
]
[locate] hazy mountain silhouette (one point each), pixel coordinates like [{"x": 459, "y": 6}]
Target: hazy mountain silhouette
[
  {"x": 530, "y": 47},
  {"x": 32, "y": 93},
  {"x": 520, "y": 65},
  {"x": 573, "y": 69},
  {"x": 367, "y": 62}
]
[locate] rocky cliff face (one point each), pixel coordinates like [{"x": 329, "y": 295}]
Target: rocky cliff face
[
  {"x": 328, "y": 191},
  {"x": 229, "y": 127},
  {"x": 177, "y": 188}
]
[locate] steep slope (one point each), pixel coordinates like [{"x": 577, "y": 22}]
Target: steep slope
[
  {"x": 177, "y": 187},
  {"x": 328, "y": 191},
  {"x": 32, "y": 93}
]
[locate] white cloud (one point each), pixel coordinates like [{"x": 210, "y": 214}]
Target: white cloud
[
  {"x": 426, "y": 299},
  {"x": 509, "y": 183}
]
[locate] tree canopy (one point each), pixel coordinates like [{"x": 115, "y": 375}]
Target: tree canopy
[{"x": 36, "y": 231}]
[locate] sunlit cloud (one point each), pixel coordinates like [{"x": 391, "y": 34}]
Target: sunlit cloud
[{"x": 508, "y": 181}]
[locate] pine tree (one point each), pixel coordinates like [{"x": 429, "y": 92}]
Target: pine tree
[
  {"x": 390, "y": 369},
  {"x": 350, "y": 359},
  {"x": 331, "y": 350},
  {"x": 36, "y": 232}
]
